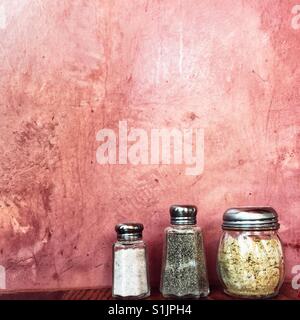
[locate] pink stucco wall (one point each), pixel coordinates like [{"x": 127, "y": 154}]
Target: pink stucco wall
[{"x": 70, "y": 68}]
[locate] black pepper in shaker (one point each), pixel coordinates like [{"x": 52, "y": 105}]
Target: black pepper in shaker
[{"x": 184, "y": 271}]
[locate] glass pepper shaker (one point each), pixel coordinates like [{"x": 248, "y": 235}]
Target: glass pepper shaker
[
  {"x": 130, "y": 267},
  {"x": 184, "y": 273},
  {"x": 250, "y": 260}
]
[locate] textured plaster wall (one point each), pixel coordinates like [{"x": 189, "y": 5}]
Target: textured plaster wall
[{"x": 69, "y": 68}]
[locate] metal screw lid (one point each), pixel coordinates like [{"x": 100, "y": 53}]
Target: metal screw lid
[
  {"x": 250, "y": 218},
  {"x": 183, "y": 214},
  {"x": 129, "y": 231}
]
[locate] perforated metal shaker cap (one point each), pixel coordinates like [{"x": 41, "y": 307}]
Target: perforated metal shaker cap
[
  {"x": 250, "y": 218},
  {"x": 183, "y": 214},
  {"x": 129, "y": 231}
]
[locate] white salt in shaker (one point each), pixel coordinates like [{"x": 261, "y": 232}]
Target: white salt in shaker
[{"x": 130, "y": 267}]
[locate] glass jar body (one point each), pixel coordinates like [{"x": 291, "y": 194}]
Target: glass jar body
[
  {"x": 250, "y": 264},
  {"x": 130, "y": 270},
  {"x": 184, "y": 273}
]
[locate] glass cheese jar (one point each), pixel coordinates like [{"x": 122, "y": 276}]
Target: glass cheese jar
[
  {"x": 184, "y": 265},
  {"x": 130, "y": 267},
  {"x": 250, "y": 259}
]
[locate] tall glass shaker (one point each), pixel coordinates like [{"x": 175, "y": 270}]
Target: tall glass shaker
[{"x": 184, "y": 273}]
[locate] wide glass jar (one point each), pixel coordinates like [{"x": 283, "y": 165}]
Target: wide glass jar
[
  {"x": 184, "y": 272},
  {"x": 130, "y": 267},
  {"x": 250, "y": 260}
]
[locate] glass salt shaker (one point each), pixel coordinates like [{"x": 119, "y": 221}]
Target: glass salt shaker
[
  {"x": 184, "y": 273},
  {"x": 250, "y": 260},
  {"x": 130, "y": 267}
]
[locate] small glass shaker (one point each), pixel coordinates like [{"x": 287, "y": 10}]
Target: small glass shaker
[
  {"x": 130, "y": 267},
  {"x": 184, "y": 273}
]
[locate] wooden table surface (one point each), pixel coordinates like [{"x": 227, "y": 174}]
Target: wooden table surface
[{"x": 286, "y": 293}]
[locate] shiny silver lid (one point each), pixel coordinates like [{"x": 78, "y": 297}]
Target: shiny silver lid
[
  {"x": 250, "y": 218},
  {"x": 183, "y": 214},
  {"x": 129, "y": 231}
]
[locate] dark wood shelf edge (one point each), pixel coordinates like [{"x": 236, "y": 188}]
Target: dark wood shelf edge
[{"x": 286, "y": 293}]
